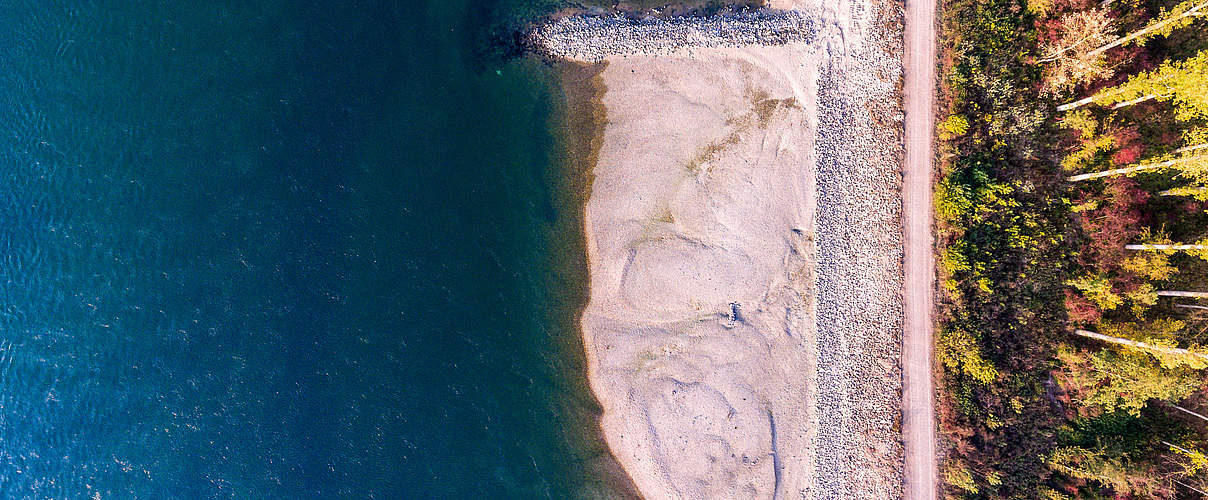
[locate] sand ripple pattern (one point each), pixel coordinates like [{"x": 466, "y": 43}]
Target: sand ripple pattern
[{"x": 592, "y": 38}]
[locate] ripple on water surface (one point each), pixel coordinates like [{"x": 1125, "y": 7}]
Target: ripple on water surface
[{"x": 270, "y": 250}]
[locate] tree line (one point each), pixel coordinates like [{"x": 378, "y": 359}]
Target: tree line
[{"x": 1074, "y": 170}]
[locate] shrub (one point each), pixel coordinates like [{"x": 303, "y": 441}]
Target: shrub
[
  {"x": 1130, "y": 147},
  {"x": 1080, "y": 310},
  {"x": 958, "y": 475},
  {"x": 1097, "y": 289},
  {"x": 952, "y": 127},
  {"x": 959, "y": 351},
  {"x": 951, "y": 201}
]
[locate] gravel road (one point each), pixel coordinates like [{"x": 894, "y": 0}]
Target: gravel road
[{"x": 918, "y": 409}]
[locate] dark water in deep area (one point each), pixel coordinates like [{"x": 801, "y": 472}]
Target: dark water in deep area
[{"x": 270, "y": 249}]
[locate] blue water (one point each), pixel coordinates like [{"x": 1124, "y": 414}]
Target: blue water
[{"x": 270, "y": 249}]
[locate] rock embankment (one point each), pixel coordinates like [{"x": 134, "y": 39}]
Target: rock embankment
[
  {"x": 593, "y": 38},
  {"x": 859, "y": 263}
]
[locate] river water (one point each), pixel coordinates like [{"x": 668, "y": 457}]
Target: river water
[{"x": 270, "y": 249}]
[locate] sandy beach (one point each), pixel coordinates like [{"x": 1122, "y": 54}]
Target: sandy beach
[{"x": 745, "y": 253}]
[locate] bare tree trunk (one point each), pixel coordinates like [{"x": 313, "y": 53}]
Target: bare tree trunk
[
  {"x": 1140, "y": 345},
  {"x": 1189, "y": 306},
  {"x": 1189, "y": 149},
  {"x": 1192, "y": 191},
  {"x": 1137, "y": 168},
  {"x": 1190, "y": 487},
  {"x": 1165, "y": 248},
  {"x": 1184, "y": 410},
  {"x": 1076, "y": 104},
  {"x": 1141, "y": 99},
  {"x": 1177, "y": 447},
  {"x": 1175, "y": 293},
  {"x": 1194, "y": 11}
]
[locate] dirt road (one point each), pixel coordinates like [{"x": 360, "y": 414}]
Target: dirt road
[{"x": 918, "y": 412}]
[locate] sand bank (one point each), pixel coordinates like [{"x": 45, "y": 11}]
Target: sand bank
[{"x": 744, "y": 245}]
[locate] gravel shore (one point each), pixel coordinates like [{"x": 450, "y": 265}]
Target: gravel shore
[{"x": 594, "y": 38}]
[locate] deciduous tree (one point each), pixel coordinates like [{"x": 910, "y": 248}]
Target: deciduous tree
[
  {"x": 1125, "y": 379},
  {"x": 1157, "y": 338},
  {"x": 1107, "y": 465},
  {"x": 1163, "y": 24},
  {"x": 1183, "y": 82},
  {"x": 1070, "y": 53},
  {"x": 1193, "y": 164}
]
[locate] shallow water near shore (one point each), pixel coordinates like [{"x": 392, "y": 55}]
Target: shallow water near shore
[{"x": 263, "y": 250}]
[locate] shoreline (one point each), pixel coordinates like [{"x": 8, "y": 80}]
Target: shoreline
[{"x": 577, "y": 123}]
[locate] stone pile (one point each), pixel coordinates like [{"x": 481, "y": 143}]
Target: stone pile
[
  {"x": 593, "y": 38},
  {"x": 859, "y": 273}
]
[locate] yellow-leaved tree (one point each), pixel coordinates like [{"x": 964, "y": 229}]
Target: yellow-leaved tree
[{"x": 1183, "y": 82}]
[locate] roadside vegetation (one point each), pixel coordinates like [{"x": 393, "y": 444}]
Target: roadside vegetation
[{"x": 1072, "y": 206}]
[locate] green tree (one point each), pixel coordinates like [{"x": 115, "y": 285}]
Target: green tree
[
  {"x": 1184, "y": 82},
  {"x": 1112, "y": 379},
  {"x": 1107, "y": 465},
  {"x": 1163, "y": 24}
]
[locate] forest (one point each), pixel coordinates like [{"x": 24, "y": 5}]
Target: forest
[{"x": 1072, "y": 236}]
